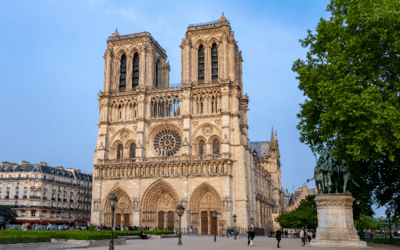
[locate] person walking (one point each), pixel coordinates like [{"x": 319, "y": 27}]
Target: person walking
[
  {"x": 278, "y": 236},
  {"x": 303, "y": 236},
  {"x": 250, "y": 237},
  {"x": 308, "y": 235},
  {"x": 227, "y": 233}
]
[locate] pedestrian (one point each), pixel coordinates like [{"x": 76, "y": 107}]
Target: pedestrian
[
  {"x": 250, "y": 237},
  {"x": 303, "y": 236},
  {"x": 286, "y": 234},
  {"x": 278, "y": 236},
  {"x": 227, "y": 233},
  {"x": 236, "y": 232},
  {"x": 308, "y": 235}
]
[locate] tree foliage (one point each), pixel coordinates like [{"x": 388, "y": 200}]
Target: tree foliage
[
  {"x": 304, "y": 215},
  {"x": 351, "y": 80},
  {"x": 8, "y": 214}
]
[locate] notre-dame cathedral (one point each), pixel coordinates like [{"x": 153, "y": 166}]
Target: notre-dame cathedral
[{"x": 159, "y": 146}]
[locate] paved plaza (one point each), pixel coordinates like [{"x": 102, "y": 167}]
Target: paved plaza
[
  {"x": 207, "y": 242},
  {"x": 190, "y": 242}
]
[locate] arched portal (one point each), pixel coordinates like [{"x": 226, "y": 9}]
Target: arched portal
[
  {"x": 123, "y": 211},
  {"x": 158, "y": 206},
  {"x": 204, "y": 200}
]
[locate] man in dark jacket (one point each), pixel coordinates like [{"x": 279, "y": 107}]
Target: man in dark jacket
[
  {"x": 278, "y": 236},
  {"x": 250, "y": 235}
]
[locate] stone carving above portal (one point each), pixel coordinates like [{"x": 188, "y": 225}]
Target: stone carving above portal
[
  {"x": 225, "y": 204},
  {"x": 136, "y": 205},
  {"x": 207, "y": 130},
  {"x": 124, "y": 135},
  {"x": 112, "y": 130},
  {"x": 167, "y": 142}
]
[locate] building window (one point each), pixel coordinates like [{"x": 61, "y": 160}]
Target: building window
[
  {"x": 135, "y": 73},
  {"x": 216, "y": 146},
  {"x": 33, "y": 214},
  {"x": 214, "y": 62},
  {"x": 120, "y": 152},
  {"x": 202, "y": 146},
  {"x": 122, "y": 74},
  {"x": 201, "y": 64},
  {"x": 133, "y": 150}
]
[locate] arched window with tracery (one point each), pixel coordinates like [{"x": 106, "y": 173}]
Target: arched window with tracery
[
  {"x": 135, "y": 73},
  {"x": 216, "y": 146},
  {"x": 201, "y": 64},
  {"x": 122, "y": 74},
  {"x": 202, "y": 147},
  {"x": 120, "y": 152},
  {"x": 214, "y": 62},
  {"x": 133, "y": 150}
]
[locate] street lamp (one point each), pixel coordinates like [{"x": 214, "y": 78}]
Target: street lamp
[
  {"x": 113, "y": 203},
  {"x": 179, "y": 211},
  {"x": 215, "y": 216},
  {"x": 234, "y": 225},
  {"x": 390, "y": 228},
  {"x": 361, "y": 230}
]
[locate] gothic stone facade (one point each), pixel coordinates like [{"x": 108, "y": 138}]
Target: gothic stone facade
[{"x": 159, "y": 146}]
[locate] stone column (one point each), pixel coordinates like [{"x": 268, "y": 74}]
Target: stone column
[
  {"x": 129, "y": 70},
  {"x": 142, "y": 66}
]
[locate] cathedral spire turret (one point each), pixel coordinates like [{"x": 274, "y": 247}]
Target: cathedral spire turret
[
  {"x": 222, "y": 17},
  {"x": 272, "y": 134},
  {"x": 276, "y": 135}
]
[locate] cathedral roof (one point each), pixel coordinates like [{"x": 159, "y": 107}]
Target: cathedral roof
[{"x": 261, "y": 147}]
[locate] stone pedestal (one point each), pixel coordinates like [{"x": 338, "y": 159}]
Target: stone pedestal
[{"x": 335, "y": 222}]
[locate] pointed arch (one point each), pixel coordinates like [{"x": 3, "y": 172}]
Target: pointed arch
[
  {"x": 198, "y": 194},
  {"x": 124, "y": 206},
  {"x": 154, "y": 192}
]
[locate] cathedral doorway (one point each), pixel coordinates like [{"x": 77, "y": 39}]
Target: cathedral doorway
[
  {"x": 160, "y": 220},
  {"x": 123, "y": 212},
  {"x": 158, "y": 205},
  {"x": 204, "y": 222},
  {"x": 171, "y": 221},
  {"x": 204, "y": 200}
]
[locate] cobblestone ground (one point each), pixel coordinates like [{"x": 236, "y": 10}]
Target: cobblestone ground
[{"x": 191, "y": 242}]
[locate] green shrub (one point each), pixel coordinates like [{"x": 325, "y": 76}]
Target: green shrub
[{"x": 23, "y": 239}]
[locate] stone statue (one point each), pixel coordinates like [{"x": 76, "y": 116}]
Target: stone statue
[{"x": 328, "y": 167}]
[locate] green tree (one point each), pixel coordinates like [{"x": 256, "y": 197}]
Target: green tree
[
  {"x": 352, "y": 86},
  {"x": 8, "y": 214},
  {"x": 304, "y": 215}
]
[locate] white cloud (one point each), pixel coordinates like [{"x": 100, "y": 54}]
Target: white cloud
[{"x": 95, "y": 3}]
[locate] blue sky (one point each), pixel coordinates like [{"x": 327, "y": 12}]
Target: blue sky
[{"x": 51, "y": 69}]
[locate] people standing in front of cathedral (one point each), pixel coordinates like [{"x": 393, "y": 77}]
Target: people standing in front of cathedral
[
  {"x": 278, "y": 235},
  {"x": 308, "y": 235},
  {"x": 227, "y": 233},
  {"x": 303, "y": 236}
]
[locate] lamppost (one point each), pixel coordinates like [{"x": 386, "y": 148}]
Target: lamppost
[
  {"x": 179, "y": 211},
  {"x": 390, "y": 228},
  {"x": 221, "y": 224},
  {"x": 234, "y": 225},
  {"x": 113, "y": 203},
  {"x": 361, "y": 229},
  {"x": 215, "y": 216}
]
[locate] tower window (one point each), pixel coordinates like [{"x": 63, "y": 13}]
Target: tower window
[
  {"x": 122, "y": 74},
  {"x": 214, "y": 62},
  {"x": 120, "y": 152},
  {"x": 135, "y": 73},
  {"x": 202, "y": 146},
  {"x": 216, "y": 146},
  {"x": 201, "y": 64},
  {"x": 133, "y": 150}
]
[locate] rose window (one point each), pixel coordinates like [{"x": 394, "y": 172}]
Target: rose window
[{"x": 167, "y": 142}]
